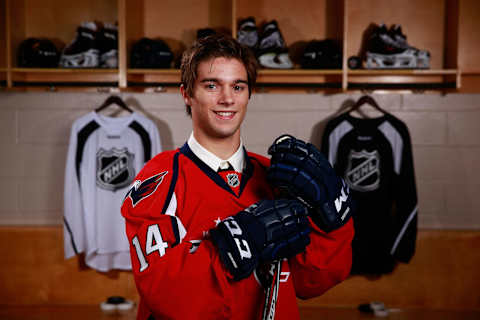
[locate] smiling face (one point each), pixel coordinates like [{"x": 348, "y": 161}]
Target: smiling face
[{"x": 219, "y": 101}]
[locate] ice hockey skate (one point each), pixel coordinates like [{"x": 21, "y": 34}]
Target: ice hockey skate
[
  {"x": 272, "y": 51},
  {"x": 82, "y": 51},
  {"x": 247, "y": 33},
  {"x": 107, "y": 43},
  {"x": 388, "y": 49}
]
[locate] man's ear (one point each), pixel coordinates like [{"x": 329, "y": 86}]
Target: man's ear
[{"x": 186, "y": 97}]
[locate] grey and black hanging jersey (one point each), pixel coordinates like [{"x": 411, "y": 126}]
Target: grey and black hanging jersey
[
  {"x": 374, "y": 156},
  {"x": 104, "y": 156}
]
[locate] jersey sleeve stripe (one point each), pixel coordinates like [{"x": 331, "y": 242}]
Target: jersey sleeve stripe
[
  {"x": 82, "y": 138},
  {"x": 173, "y": 182},
  {"x": 405, "y": 226},
  {"x": 147, "y": 144},
  {"x": 334, "y": 139},
  {"x": 71, "y": 236},
  {"x": 396, "y": 142},
  {"x": 175, "y": 230}
]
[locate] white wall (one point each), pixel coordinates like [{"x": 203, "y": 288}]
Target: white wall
[{"x": 445, "y": 131}]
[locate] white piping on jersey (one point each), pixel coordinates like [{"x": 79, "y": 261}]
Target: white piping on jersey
[
  {"x": 340, "y": 131},
  {"x": 237, "y": 160},
  {"x": 395, "y": 139},
  {"x": 171, "y": 210},
  {"x": 405, "y": 225}
]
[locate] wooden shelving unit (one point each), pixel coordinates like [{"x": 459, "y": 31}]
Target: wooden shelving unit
[
  {"x": 3, "y": 41},
  {"x": 59, "y": 75},
  {"x": 448, "y": 29}
]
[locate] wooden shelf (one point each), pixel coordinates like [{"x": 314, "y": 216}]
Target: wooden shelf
[
  {"x": 446, "y": 28},
  {"x": 471, "y": 72},
  {"x": 288, "y": 76},
  {"x": 153, "y": 76},
  {"x": 407, "y": 79},
  {"x": 60, "y": 75},
  {"x": 298, "y": 76},
  {"x": 404, "y": 72}
]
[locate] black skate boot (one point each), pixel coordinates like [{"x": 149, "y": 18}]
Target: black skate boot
[
  {"x": 388, "y": 49},
  {"x": 82, "y": 51},
  {"x": 107, "y": 44},
  {"x": 422, "y": 56},
  {"x": 398, "y": 36},
  {"x": 272, "y": 51},
  {"x": 247, "y": 33}
]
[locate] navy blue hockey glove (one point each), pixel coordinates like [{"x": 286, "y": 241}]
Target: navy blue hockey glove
[
  {"x": 300, "y": 170},
  {"x": 266, "y": 231}
]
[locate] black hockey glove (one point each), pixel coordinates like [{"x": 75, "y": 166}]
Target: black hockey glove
[
  {"x": 266, "y": 231},
  {"x": 300, "y": 170}
]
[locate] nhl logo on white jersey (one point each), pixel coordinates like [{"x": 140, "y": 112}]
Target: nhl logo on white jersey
[
  {"x": 114, "y": 168},
  {"x": 233, "y": 180},
  {"x": 363, "y": 171}
]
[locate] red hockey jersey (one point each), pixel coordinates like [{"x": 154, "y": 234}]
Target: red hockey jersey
[{"x": 173, "y": 203}]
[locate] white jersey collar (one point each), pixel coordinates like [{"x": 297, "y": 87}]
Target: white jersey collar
[{"x": 237, "y": 160}]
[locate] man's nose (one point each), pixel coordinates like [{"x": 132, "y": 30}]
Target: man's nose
[{"x": 226, "y": 96}]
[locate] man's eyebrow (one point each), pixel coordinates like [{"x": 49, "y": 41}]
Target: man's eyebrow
[
  {"x": 218, "y": 81},
  {"x": 241, "y": 81},
  {"x": 209, "y": 80}
]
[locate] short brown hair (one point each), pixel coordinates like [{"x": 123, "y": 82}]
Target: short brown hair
[{"x": 216, "y": 46}]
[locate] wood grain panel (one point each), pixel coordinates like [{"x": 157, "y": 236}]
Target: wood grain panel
[
  {"x": 177, "y": 21},
  {"x": 59, "y": 19},
  {"x": 33, "y": 271},
  {"x": 56, "y": 20},
  {"x": 442, "y": 275},
  {"x": 301, "y": 20},
  {"x": 469, "y": 35},
  {"x": 422, "y": 21},
  {"x": 306, "y": 313},
  {"x": 470, "y": 83},
  {"x": 3, "y": 34}
]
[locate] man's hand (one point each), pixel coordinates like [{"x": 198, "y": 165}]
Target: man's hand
[
  {"x": 266, "y": 231},
  {"x": 300, "y": 170}
]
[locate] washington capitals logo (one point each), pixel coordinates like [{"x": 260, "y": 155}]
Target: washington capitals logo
[{"x": 143, "y": 189}]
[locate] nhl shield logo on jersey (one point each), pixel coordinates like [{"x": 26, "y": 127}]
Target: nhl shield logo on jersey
[
  {"x": 114, "y": 168},
  {"x": 143, "y": 189},
  {"x": 363, "y": 171},
  {"x": 233, "y": 180}
]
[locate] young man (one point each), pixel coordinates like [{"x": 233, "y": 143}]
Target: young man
[{"x": 203, "y": 228}]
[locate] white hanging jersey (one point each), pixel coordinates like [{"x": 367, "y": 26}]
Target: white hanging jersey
[{"x": 104, "y": 156}]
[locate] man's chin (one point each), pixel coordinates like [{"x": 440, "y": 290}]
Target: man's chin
[{"x": 224, "y": 134}]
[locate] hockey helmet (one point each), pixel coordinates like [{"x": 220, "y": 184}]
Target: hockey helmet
[
  {"x": 37, "y": 53},
  {"x": 151, "y": 53}
]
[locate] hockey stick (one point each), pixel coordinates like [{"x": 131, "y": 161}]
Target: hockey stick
[{"x": 271, "y": 294}]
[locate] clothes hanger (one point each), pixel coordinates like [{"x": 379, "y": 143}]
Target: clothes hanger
[
  {"x": 366, "y": 99},
  {"x": 114, "y": 99}
]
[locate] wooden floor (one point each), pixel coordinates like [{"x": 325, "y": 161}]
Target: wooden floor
[{"x": 94, "y": 313}]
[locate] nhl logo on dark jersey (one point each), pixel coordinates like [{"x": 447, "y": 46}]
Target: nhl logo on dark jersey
[
  {"x": 233, "y": 180},
  {"x": 363, "y": 171},
  {"x": 114, "y": 168}
]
